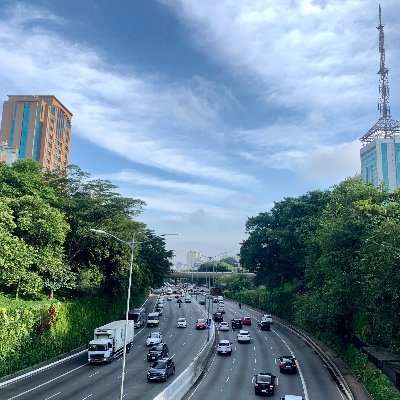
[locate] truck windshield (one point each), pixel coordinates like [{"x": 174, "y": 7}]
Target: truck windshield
[
  {"x": 97, "y": 347},
  {"x": 134, "y": 317}
]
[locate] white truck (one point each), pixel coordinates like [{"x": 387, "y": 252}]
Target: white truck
[{"x": 108, "y": 341}]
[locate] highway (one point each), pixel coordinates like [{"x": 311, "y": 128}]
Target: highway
[
  {"x": 232, "y": 377},
  {"x": 75, "y": 379},
  {"x": 226, "y": 377}
]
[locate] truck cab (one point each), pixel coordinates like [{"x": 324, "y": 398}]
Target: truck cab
[{"x": 100, "y": 350}]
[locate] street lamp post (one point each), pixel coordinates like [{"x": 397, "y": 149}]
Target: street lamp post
[{"x": 132, "y": 246}]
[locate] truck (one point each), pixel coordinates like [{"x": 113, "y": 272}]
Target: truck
[
  {"x": 138, "y": 316},
  {"x": 108, "y": 341}
]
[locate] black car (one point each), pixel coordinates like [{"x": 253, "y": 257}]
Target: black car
[
  {"x": 218, "y": 317},
  {"x": 264, "y": 325},
  {"x": 236, "y": 323},
  {"x": 179, "y": 300},
  {"x": 202, "y": 302},
  {"x": 264, "y": 383},
  {"x": 158, "y": 351},
  {"x": 161, "y": 370},
  {"x": 287, "y": 364}
]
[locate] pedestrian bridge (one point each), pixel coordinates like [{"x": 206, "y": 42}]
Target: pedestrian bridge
[{"x": 205, "y": 275}]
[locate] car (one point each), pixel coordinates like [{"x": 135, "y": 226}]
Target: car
[
  {"x": 188, "y": 299},
  {"x": 153, "y": 338},
  {"x": 153, "y": 319},
  {"x": 243, "y": 336},
  {"x": 287, "y": 364},
  {"x": 218, "y": 317},
  {"x": 160, "y": 350},
  {"x": 224, "y": 326},
  {"x": 169, "y": 298},
  {"x": 267, "y": 318},
  {"x": 224, "y": 347},
  {"x": 264, "y": 326},
  {"x": 264, "y": 383},
  {"x": 236, "y": 323},
  {"x": 181, "y": 323},
  {"x": 215, "y": 300},
  {"x": 201, "y": 323},
  {"x": 161, "y": 370},
  {"x": 179, "y": 301},
  {"x": 291, "y": 397},
  {"x": 202, "y": 302},
  {"x": 246, "y": 321},
  {"x": 159, "y": 309},
  {"x": 221, "y": 309}
]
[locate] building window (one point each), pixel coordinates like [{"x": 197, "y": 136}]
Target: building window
[
  {"x": 24, "y": 130},
  {"x": 52, "y": 110}
]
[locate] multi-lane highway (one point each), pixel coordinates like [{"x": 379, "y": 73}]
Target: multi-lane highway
[
  {"x": 232, "y": 377},
  {"x": 226, "y": 377},
  {"x": 75, "y": 379}
]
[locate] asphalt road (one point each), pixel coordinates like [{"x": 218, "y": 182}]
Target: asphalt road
[
  {"x": 232, "y": 377},
  {"x": 75, "y": 379}
]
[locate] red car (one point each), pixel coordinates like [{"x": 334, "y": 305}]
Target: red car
[
  {"x": 201, "y": 324},
  {"x": 246, "y": 321}
]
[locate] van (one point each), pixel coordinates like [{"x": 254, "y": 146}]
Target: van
[
  {"x": 138, "y": 316},
  {"x": 153, "y": 319}
]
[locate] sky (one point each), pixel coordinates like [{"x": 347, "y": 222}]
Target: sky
[{"x": 209, "y": 111}]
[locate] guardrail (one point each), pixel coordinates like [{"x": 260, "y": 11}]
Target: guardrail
[{"x": 182, "y": 384}]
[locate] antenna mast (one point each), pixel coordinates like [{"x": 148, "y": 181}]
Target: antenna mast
[{"x": 386, "y": 127}]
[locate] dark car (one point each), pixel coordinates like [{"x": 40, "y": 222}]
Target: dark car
[
  {"x": 264, "y": 325},
  {"x": 264, "y": 383},
  {"x": 218, "y": 317},
  {"x": 201, "y": 323},
  {"x": 287, "y": 364},
  {"x": 236, "y": 323},
  {"x": 202, "y": 302},
  {"x": 161, "y": 370},
  {"x": 158, "y": 351},
  {"x": 179, "y": 300}
]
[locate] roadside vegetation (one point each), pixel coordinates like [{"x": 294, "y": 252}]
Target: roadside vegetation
[
  {"x": 328, "y": 262},
  {"x": 59, "y": 280}
]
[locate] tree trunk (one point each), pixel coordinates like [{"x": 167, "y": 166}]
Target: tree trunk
[{"x": 51, "y": 294}]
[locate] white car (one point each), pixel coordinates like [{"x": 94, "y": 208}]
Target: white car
[
  {"x": 243, "y": 336},
  {"x": 224, "y": 326},
  {"x": 221, "y": 309},
  {"x": 291, "y": 397},
  {"x": 224, "y": 347},
  {"x": 181, "y": 323},
  {"x": 267, "y": 318},
  {"x": 153, "y": 338}
]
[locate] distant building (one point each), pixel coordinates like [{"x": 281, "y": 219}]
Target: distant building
[
  {"x": 37, "y": 127},
  {"x": 194, "y": 259},
  {"x": 380, "y": 154},
  {"x": 8, "y": 154}
]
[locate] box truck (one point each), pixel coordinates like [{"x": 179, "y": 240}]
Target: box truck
[{"x": 108, "y": 341}]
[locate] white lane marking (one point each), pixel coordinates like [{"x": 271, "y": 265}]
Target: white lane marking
[
  {"x": 255, "y": 361},
  {"x": 303, "y": 382},
  {"x": 54, "y": 395},
  {"x": 90, "y": 395},
  {"x": 28, "y": 374},
  {"x": 227, "y": 379},
  {"x": 93, "y": 374},
  {"x": 46, "y": 383}
]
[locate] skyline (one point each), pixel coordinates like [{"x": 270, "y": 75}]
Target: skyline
[{"x": 208, "y": 117}]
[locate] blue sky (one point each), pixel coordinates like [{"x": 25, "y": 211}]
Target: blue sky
[{"x": 207, "y": 110}]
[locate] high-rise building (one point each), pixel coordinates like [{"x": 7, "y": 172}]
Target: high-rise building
[
  {"x": 37, "y": 127},
  {"x": 380, "y": 154},
  {"x": 194, "y": 259}
]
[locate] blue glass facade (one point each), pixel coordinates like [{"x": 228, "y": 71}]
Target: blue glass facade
[
  {"x": 24, "y": 130},
  {"x": 38, "y": 129},
  {"x": 12, "y": 133},
  {"x": 385, "y": 166}
]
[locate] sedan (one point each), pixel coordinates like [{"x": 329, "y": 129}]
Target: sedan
[
  {"x": 246, "y": 321},
  {"x": 161, "y": 370},
  {"x": 202, "y": 302},
  {"x": 287, "y": 364},
  {"x": 153, "y": 338},
  {"x": 201, "y": 324},
  {"x": 243, "y": 337},
  {"x": 181, "y": 323},
  {"x": 158, "y": 351},
  {"x": 224, "y": 326},
  {"x": 224, "y": 347}
]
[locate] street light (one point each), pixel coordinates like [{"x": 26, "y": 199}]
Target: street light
[{"x": 132, "y": 246}]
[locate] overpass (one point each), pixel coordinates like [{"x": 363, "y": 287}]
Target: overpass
[{"x": 205, "y": 275}]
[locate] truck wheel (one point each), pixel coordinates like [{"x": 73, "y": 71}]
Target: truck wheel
[{"x": 166, "y": 378}]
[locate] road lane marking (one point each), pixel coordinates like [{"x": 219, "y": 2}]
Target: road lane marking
[
  {"x": 303, "y": 382},
  {"x": 54, "y": 395},
  {"x": 90, "y": 395},
  {"x": 93, "y": 374},
  {"x": 46, "y": 383}
]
